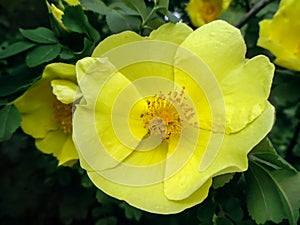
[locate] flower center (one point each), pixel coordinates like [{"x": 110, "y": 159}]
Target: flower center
[
  {"x": 161, "y": 116},
  {"x": 63, "y": 116},
  {"x": 210, "y": 10}
]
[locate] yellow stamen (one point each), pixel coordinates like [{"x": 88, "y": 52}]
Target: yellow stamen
[
  {"x": 162, "y": 118},
  {"x": 63, "y": 116}
]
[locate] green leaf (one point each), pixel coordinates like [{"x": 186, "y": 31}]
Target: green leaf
[
  {"x": 118, "y": 22},
  {"x": 222, "y": 221},
  {"x": 265, "y": 153},
  {"x": 16, "y": 48},
  {"x": 205, "y": 211},
  {"x": 233, "y": 209},
  {"x": 220, "y": 181},
  {"x": 172, "y": 18},
  {"x": 262, "y": 196},
  {"x": 107, "y": 221},
  {"x": 42, "y": 54},
  {"x": 139, "y": 6},
  {"x": 40, "y": 35},
  {"x": 10, "y": 119},
  {"x": 289, "y": 183},
  {"x": 96, "y": 6},
  {"x": 20, "y": 78},
  {"x": 273, "y": 186},
  {"x": 131, "y": 212},
  {"x": 162, "y": 4},
  {"x": 272, "y": 194},
  {"x": 75, "y": 20}
]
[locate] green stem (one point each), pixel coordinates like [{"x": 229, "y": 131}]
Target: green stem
[
  {"x": 149, "y": 16},
  {"x": 256, "y": 8}
]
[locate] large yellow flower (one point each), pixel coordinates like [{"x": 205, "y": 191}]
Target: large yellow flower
[
  {"x": 47, "y": 112},
  {"x": 160, "y": 116},
  {"x": 204, "y": 11},
  {"x": 281, "y": 35}
]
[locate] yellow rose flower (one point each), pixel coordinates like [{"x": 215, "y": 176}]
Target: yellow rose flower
[
  {"x": 205, "y": 11},
  {"x": 160, "y": 116},
  {"x": 46, "y": 110},
  {"x": 281, "y": 35}
]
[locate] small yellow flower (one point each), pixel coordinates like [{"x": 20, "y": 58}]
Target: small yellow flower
[
  {"x": 160, "y": 116},
  {"x": 58, "y": 12},
  {"x": 205, "y": 11},
  {"x": 46, "y": 110},
  {"x": 281, "y": 35}
]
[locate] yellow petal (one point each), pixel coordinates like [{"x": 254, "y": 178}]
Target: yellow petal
[
  {"x": 205, "y": 11},
  {"x": 291, "y": 63},
  {"x": 170, "y": 32},
  {"x": 52, "y": 143},
  {"x": 64, "y": 90},
  {"x": 73, "y": 2},
  {"x": 60, "y": 71},
  {"x": 246, "y": 91},
  {"x": 105, "y": 112},
  {"x": 36, "y": 106},
  {"x": 231, "y": 157},
  {"x": 114, "y": 41},
  {"x": 219, "y": 45},
  {"x": 60, "y": 145},
  {"x": 190, "y": 150},
  {"x": 68, "y": 153},
  {"x": 127, "y": 51},
  {"x": 57, "y": 14},
  {"x": 280, "y": 35},
  {"x": 156, "y": 202}
]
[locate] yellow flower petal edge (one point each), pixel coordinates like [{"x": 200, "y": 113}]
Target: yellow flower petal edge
[
  {"x": 281, "y": 35},
  {"x": 46, "y": 110},
  {"x": 205, "y": 11},
  {"x": 154, "y": 127},
  {"x": 245, "y": 83}
]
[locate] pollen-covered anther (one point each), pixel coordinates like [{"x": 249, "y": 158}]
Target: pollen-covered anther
[
  {"x": 63, "y": 116},
  {"x": 161, "y": 116}
]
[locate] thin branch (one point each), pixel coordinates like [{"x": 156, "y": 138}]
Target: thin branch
[{"x": 256, "y": 8}]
